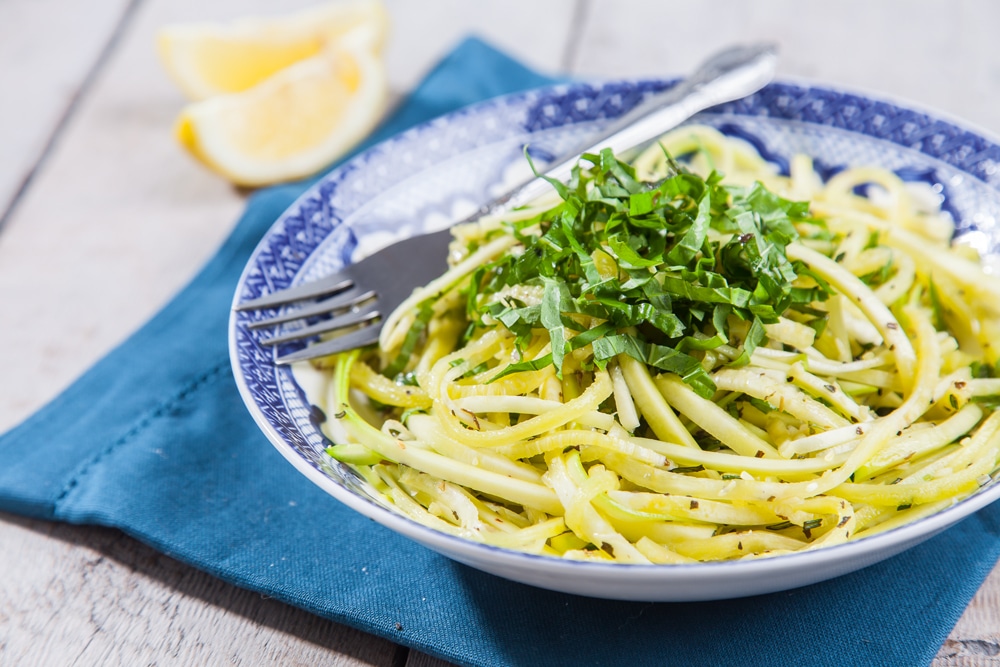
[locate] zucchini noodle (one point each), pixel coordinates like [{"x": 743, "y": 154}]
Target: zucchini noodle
[{"x": 691, "y": 357}]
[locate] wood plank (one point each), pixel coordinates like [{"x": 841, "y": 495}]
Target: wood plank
[
  {"x": 92, "y": 596},
  {"x": 418, "y": 659},
  {"x": 49, "y": 47},
  {"x": 975, "y": 640},
  {"x": 89, "y": 227},
  {"x": 903, "y": 48},
  {"x": 423, "y": 32}
]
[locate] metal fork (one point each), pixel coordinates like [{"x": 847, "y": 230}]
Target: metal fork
[{"x": 361, "y": 295}]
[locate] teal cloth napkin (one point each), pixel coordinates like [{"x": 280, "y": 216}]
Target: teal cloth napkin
[{"x": 155, "y": 440}]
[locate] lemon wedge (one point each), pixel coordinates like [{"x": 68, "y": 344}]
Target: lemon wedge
[
  {"x": 293, "y": 123},
  {"x": 206, "y": 60}
]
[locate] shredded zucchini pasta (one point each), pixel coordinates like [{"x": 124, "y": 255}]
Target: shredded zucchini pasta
[{"x": 668, "y": 364}]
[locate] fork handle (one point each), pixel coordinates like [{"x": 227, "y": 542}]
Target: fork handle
[{"x": 728, "y": 75}]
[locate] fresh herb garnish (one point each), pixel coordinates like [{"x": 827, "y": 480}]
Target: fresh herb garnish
[
  {"x": 687, "y": 469},
  {"x": 655, "y": 271},
  {"x": 424, "y": 313}
]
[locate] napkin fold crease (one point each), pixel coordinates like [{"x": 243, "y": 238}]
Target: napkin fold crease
[{"x": 155, "y": 440}]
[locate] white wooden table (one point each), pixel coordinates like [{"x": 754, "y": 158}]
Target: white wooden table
[{"x": 103, "y": 218}]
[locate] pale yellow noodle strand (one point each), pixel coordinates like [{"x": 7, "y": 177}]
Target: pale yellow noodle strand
[
  {"x": 660, "y": 417},
  {"x": 861, "y": 295},
  {"x": 592, "y": 397},
  {"x": 712, "y": 418}
]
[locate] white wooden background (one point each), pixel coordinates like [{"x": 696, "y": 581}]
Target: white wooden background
[{"x": 103, "y": 218}]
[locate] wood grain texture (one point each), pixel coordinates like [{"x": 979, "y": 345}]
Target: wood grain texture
[
  {"x": 121, "y": 210},
  {"x": 93, "y": 596},
  {"x": 418, "y": 659},
  {"x": 930, "y": 53},
  {"x": 424, "y": 31},
  {"x": 975, "y": 640},
  {"x": 117, "y": 219},
  {"x": 46, "y": 60}
]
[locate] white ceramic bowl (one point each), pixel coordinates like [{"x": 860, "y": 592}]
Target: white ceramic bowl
[{"x": 436, "y": 173}]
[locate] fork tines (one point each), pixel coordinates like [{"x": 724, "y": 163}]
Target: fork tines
[
  {"x": 347, "y": 302},
  {"x": 358, "y": 298},
  {"x": 350, "y": 297}
]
